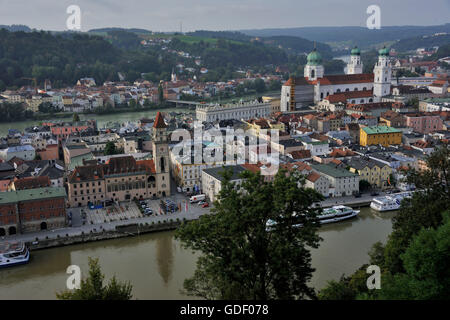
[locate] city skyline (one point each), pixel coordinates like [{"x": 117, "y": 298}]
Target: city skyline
[{"x": 232, "y": 15}]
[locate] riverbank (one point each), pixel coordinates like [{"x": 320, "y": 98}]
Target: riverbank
[
  {"x": 156, "y": 263},
  {"x": 122, "y": 231},
  {"x": 101, "y": 119},
  {"x": 134, "y": 227}
]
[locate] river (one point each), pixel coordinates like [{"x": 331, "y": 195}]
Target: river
[
  {"x": 156, "y": 265},
  {"x": 101, "y": 119}
]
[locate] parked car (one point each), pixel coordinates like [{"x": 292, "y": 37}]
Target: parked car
[
  {"x": 357, "y": 195},
  {"x": 201, "y": 203},
  {"x": 205, "y": 205}
]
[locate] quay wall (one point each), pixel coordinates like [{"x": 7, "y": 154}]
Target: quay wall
[{"x": 121, "y": 231}]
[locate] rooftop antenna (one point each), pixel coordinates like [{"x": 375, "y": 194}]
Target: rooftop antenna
[{"x": 181, "y": 27}]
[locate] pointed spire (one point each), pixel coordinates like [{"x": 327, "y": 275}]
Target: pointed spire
[{"x": 159, "y": 121}]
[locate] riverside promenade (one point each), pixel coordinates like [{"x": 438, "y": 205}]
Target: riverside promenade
[{"x": 101, "y": 226}]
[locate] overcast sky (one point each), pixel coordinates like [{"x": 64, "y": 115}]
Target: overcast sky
[{"x": 166, "y": 15}]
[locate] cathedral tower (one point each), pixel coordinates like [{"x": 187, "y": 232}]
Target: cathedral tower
[
  {"x": 355, "y": 65},
  {"x": 382, "y": 75},
  {"x": 313, "y": 69}
]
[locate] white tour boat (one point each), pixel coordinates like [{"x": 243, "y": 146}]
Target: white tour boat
[
  {"x": 13, "y": 253},
  {"x": 329, "y": 215},
  {"x": 389, "y": 202}
]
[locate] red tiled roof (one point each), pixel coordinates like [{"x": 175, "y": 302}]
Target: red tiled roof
[
  {"x": 159, "y": 121},
  {"x": 344, "y": 79},
  {"x": 341, "y": 153},
  {"x": 32, "y": 183},
  {"x": 301, "y": 154},
  {"x": 344, "y": 96},
  {"x": 313, "y": 176}
]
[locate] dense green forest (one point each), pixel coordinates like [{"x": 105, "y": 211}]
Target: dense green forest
[{"x": 64, "y": 58}]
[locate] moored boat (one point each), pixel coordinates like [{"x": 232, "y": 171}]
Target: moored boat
[
  {"x": 389, "y": 202},
  {"x": 13, "y": 253},
  {"x": 328, "y": 215}
]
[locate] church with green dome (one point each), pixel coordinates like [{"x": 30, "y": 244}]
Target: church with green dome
[{"x": 352, "y": 87}]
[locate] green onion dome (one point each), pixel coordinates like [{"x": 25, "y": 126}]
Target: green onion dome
[
  {"x": 356, "y": 51},
  {"x": 384, "y": 52},
  {"x": 314, "y": 58}
]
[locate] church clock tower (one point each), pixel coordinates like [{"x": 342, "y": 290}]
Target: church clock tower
[
  {"x": 382, "y": 75},
  {"x": 161, "y": 155}
]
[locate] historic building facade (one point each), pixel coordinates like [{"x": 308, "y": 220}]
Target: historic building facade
[
  {"x": 373, "y": 85},
  {"x": 124, "y": 178}
]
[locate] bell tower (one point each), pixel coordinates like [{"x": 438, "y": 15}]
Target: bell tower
[
  {"x": 382, "y": 75},
  {"x": 355, "y": 65},
  {"x": 161, "y": 155}
]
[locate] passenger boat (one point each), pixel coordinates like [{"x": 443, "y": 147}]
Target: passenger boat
[
  {"x": 13, "y": 253},
  {"x": 328, "y": 215},
  {"x": 389, "y": 202}
]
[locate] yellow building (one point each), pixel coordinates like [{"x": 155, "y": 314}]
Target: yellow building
[
  {"x": 259, "y": 124},
  {"x": 383, "y": 135},
  {"x": 374, "y": 172}
]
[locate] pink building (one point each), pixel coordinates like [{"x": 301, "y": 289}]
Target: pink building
[{"x": 424, "y": 122}]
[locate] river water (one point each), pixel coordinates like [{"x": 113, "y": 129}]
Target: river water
[
  {"x": 156, "y": 265},
  {"x": 101, "y": 119}
]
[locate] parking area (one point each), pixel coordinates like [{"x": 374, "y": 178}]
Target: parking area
[{"x": 177, "y": 204}]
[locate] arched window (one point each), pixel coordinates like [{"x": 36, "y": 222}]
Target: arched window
[
  {"x": 356, "y": 89},
  {"x": 364, "y": 88},
  {"x": 362, "y": 101},
  {"x": 347, "y": 90},
  {"x": 321, "y": 95},
  {"x": 338, "y": 90},
  {"x": 370, "y": 100},
  {"x": 313, "y": 73},
  {"x": 162, "y": 164}
]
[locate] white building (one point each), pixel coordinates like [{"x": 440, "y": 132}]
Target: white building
[
  {"x": 354, "y": 80},
  {"x": 212, "y": 180},
  {"x": 341, "y": 182},
  {"x": 25, "y": 152},
  {"x": 240, "y": 111}
]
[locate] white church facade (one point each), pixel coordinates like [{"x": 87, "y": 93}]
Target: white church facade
[{"x": 371, "y": 86}]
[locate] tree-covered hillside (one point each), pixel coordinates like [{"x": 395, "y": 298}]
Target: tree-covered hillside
[
  {"x": 421, "y": 42},
  {"x": 66, "y": 57}
]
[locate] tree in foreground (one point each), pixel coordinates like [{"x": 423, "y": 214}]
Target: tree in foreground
[
  {"x": 76, "y": 117},
  {"x": 110, "y": 148},
  {"x": 414, "y": 261},
  {"x": 93, "y": 288},
  {"x": 243, "y": 259}
]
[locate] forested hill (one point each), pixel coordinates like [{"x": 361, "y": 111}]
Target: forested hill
[
  {"x": 65, "y": 58},
  {"x": 422, "y": 42},
  {"x": 361, "y": 36},
  {"x": 290, "y": 44}
]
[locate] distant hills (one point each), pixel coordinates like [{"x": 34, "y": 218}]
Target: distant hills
[
  {"x": 361, "y": 36},
  {"x": 132, "y": 30},
  {"x": 15, "y": 27}
]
